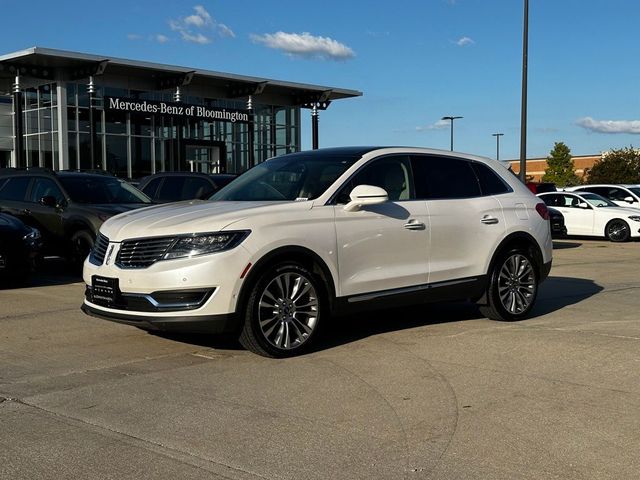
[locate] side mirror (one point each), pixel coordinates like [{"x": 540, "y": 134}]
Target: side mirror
[
  {"x": 584, "y": 205},
  {"x": 49, "y": 201},
  {"x": 628, "y": 199},
  {"x": 364, "y": 195}
]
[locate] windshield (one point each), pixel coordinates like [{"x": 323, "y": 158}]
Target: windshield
[
  {"x": 101, "y": 190},
  {"x": 294, "y": 177},
  {"x": 597, "y": 200},
  {"x": 635, "y": 190}
]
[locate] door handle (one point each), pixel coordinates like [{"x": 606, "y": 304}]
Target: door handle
[
  {"x": 487, "y": 220},
  {"x": 414, "y": 225}
]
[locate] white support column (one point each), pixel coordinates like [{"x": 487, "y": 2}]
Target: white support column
[{"x": 63, "y": 127}]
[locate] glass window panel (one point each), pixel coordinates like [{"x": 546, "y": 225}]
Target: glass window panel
[
  {"x": 71, "y": 93},
  {"x": 46, "y": 148},
  {"x": 140, "y": 157},
  {"x": 54, "y": 119},
  {"x": 32, "y": 151},
  {"x": 83, "y": 95},
  {"x": 54, "y": 94},
  {"x": 30, "y": 98},
  {"x": 85, "y": 152},
  {"x": 71, "y": 119},
  {"x": 83, "y": 119},
  {"x": 115, "y": 92},
  {"x": 44, "y": 91},
  {"x": 73, "y": 151},
  {"x": 115, "y": 122},
  {"x": 45, "y": 120},
  {"x": 141, "y": 125},
  {"x": 31, "y": 121},
  {"x": 159, "y": 156},
  {"x": 117, "y": 155}
]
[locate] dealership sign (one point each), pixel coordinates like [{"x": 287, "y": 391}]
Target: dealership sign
[{"x": 175, "y": 109}]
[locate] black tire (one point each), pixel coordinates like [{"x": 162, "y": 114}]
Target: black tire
[
  {"x": 81, "y": 243},
  {"x": 617, "y": 230},
  {"x": 283, "y": 311},
  {"x": 513, "y": 286}
]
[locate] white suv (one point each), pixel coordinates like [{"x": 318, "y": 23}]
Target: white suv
[{"x": 303, "y": 236}]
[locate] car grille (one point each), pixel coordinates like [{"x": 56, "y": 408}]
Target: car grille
[
  {"x": 143, "y": 252},
  {"x": 99, "y": 250}
]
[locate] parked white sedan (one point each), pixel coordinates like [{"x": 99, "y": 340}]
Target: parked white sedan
[{"x": 592, "y": 215}]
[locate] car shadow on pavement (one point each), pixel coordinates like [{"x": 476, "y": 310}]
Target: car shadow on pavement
[
  {"x": 555, "y": 293},
  {"x": 563, "y": 245},
  {"x": 50, "y": 271}
]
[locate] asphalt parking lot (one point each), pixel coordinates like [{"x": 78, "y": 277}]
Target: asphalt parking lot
[{"x": 429, "y": 392}]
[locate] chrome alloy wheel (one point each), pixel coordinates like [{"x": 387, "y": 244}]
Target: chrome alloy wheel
[
  {"x": 288, "y": 311},
  {"x": 516, "y": 284},
  {"x": 618, "y": 231}
]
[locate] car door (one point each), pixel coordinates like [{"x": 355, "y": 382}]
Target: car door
[
  {"x": 578, "y": 220},
  {"x": 13, "y": 191},
  {"x": 47, "y": 218},
  {"x": 382, "y": 247},
  {"x": 466, "y": 224}
]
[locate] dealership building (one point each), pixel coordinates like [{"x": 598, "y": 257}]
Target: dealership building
[{"x": 67, "y": 110}]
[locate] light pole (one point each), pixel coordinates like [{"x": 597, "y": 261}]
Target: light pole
[
  {"x": 451, "y": 119},
  {"x": 497, "y": 135},
  {"x": 523, "y": 112}
]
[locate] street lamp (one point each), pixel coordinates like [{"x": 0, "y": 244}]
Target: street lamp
[
  {"x": 497, "y": 135},
  {"x": 523, "y": 111},
  {"x": 451, "y": 119}
]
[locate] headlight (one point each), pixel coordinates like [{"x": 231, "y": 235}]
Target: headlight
[
  {"x": 34, "y": 234},
  {"x": 201, "y": 244},
  {"x": 635, "y": 218}
]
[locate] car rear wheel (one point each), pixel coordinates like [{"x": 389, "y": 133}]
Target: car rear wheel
[
  {"x": 283, "y": 312},
  {"x": 618, "y": 230},
  {"x": 512, "y": 288}
]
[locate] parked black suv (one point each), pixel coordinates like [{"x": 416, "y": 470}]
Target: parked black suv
[
  {"x": 175, "y": 186},
  {"x": 19, "y": 244},
  {"x": 67, "y": 207}
]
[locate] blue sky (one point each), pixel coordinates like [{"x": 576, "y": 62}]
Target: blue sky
[{"x": 414, "y": 61}]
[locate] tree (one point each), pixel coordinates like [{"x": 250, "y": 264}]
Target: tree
[
  {"x": 560, "y": 168},
  {"x": 616, "y": 166}
]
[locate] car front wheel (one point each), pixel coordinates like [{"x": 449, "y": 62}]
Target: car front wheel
[
  {"x": 512, "y": 287},
  {"x": 283, "y": 312}
]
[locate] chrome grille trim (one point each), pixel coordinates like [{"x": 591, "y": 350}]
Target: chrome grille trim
[
  {"x": 144, "y": 252},
  {"x": 99, "y": 250}
]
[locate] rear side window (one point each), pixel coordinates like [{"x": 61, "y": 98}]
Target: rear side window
[
  {"x": 151, "y": 187},
  {"x": 195, "y": 187},
  {"x": 444, "y": 178},
  {"x": 14, "y": 188},
  {"x": 171, "y": 189},
  {"x": 490, "y": 181}
]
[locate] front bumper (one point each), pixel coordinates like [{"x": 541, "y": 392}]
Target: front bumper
[{"x": 223, "y": 323}]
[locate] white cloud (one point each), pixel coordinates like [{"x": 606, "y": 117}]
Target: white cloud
[
  {"x": 464, "y": 42},
  {"x": 134, "y": 36},
  {"x": 439, "y": 125},
  {"x": 609, "y": 126},
  {"x": 305, "y": 45},
  {"x": 196, "y": 28},
  {"x": 161, "y": 38}
]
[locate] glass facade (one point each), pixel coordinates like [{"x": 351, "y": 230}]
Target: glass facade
[{"x": 133, "y": 145}]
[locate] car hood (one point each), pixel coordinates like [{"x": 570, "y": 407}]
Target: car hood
[
  {"x": 187, "y": 217},
  {"x": 10, "y": 224}
]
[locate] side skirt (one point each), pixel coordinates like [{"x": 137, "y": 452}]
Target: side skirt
[{"x": 471, "y": 288}]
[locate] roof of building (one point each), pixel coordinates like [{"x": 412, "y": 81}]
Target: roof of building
[{"x": 46, "y": 63}]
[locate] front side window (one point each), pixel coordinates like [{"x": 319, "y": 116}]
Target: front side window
[
  {"x": 294, "y": 177},
  {"x": 444, "y": 178},
  {"x": 14, "y": 188},
  {"x": 392, "y": 173},
  {"x": 102, "y": 190},
  {"x": 45, "y": 187}
]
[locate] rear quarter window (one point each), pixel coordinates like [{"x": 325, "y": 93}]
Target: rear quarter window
[{"x": 14, "y": 188}]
